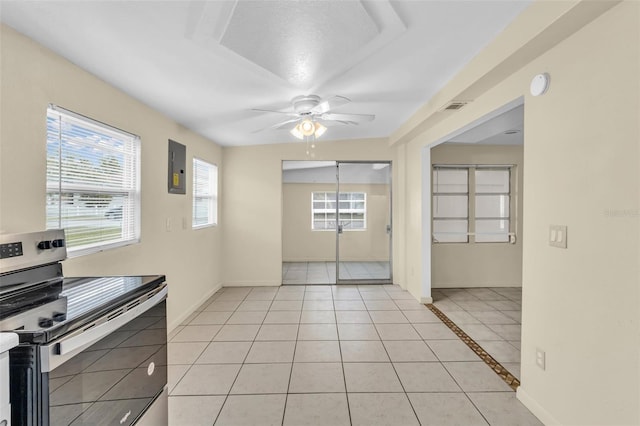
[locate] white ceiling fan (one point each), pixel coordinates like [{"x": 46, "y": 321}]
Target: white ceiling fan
[{"x": 312, "y": 115}]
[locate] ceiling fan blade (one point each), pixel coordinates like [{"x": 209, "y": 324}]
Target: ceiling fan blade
[
  {"x": 289, "y": 113},
  {"x": 329, "y": 104},
  {"x": 359, "y": 118},
  {"x": 277, "y": 126},
  {"x": 335, "y": 123}
]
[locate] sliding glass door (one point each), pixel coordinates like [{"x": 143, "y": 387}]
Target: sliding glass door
[
  {"x": 308, "y": 222},
  {"x": 336, "y": 222},
  {"x": 363, "y": 211}
]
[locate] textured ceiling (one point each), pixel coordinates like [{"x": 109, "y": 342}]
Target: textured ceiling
[
  {"x": 301, "y": 42},
  {"x": 207, "y": 64}
]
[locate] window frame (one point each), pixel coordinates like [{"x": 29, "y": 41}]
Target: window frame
[
  {"x": 445, "y": 194},
  {"x": 477, "y": 194},
  {"x": 332, "y": 210},
  {"x": 212, "y": 220},
  {"x": 131, "y": 207},
  {"x": 472, "y": 195}
]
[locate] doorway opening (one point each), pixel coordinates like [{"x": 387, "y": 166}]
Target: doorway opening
[
  {"x": 336, "y": 222},
  {"x": 475, "y": 192}
]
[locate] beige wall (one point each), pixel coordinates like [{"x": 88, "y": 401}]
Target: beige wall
[
  {"x": 301, "y": 244},
  {"x": 32, "y": 77},
  {"x": 481, "y": 264},
  {"x": 253, "y": 206},
  {"x": 581, "y": 154}
]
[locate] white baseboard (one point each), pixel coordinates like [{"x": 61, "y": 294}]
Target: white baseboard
[
  {"x": 426, "y": 300},
  {"x": 171, "y": 326},
  {"x": 305, "y": 259},
  {"x": 542, "y": 414},
  {"x": 252, "y": 284},
  {"x": 475, "y": 285}
]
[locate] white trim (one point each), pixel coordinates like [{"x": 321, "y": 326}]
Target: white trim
[
  {"x": 425, "y": 292},
  {"x": 190, "y": 310},
  {"x": 92, "y": 121},
  {"x": 536, "y": 409},
  {"x": 71, "y": 253},
  {"x": 426, "y": 300},
  {"x": 252, "y": 284}
]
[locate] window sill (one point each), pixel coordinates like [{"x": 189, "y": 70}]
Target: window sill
[
  {"x": 73, "y": 253},
  {"x": 209, "y": 225}
]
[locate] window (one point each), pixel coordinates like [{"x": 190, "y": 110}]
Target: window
[
  {"x": 450, "y": 205},
  {"x": 205, "y": 194},
  {"x": 492, "y": 204},
  {"x": 93, "y": 182},
  {"x": 352, "y": 212},
  {"x": 489, "y": 202}
]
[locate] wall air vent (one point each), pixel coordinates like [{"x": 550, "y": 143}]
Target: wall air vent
[{"x": 454, "y": 105}]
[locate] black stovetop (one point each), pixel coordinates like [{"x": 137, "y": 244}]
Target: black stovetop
[{"x": 51, "y": 308}]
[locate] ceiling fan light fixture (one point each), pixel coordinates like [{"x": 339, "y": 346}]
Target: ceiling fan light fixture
[
  {"x": 320, "y": 129},
  {"x": 307, "y": 127},
  {"x": 296, "y": 132}
]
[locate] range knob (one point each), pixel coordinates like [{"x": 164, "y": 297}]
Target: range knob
[
  {"x": 45, "y": 322},
  {"x": 59, "y": 316},
  {"x": 44, "y": 245},
  {"x": 58, "y": 243}
]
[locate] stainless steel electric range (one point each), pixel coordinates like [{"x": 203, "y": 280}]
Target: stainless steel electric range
[{"x": 92, "y": 350}]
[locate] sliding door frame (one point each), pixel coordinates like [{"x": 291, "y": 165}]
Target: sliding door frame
[{"x": 388, "y": 280}]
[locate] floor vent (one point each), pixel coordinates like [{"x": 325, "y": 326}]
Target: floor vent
[{"x": 509, "y": 378}]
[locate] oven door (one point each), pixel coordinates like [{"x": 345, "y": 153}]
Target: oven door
[{"x": 106, "y": 378}]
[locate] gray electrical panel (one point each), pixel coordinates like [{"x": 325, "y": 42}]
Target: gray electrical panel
[{"x": 177, "y": 168}]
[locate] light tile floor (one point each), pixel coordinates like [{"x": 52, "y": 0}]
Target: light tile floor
[
  {"x": 328, "y": 355},
  {"x": 310, "y": 273},
  {"x": 490, "y": 316}
]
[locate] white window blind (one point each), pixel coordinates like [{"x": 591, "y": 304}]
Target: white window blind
[
  {"x": 450, "y": 205},
  {"x": 205, "y": 194},
  {"x": 93, "y": 182},
  {"x": 493, "y": 204},
  {"x": 352, "y": 211}
]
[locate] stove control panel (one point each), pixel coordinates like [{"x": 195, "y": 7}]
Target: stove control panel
[
  {"x": 19, "y": 251},
  {"x": 10, "y": 250}
]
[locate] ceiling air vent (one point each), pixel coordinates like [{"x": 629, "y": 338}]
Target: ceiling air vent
[{"x": 454, "y": 105}]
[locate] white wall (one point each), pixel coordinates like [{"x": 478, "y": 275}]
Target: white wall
[
  {"x": 581, "y": 156},
  {"x": 481, "y": 264},
  {"x": 31, "y": 78},
  {"x": 252, "y": 210}
]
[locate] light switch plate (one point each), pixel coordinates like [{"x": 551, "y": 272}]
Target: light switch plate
[
  {"x": 558, "y": 236},
  {"x": 541, "y": 358}
]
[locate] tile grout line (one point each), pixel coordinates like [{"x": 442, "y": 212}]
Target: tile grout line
[
  {"x": 207, "y": 302},
  {"x": 226, "y": 398},
  {"x": 502, "y": 372},
  {"x": 406, "y": 394},
  {"x": 444, "y": 367},
  {"x": 344, "y": 377}
]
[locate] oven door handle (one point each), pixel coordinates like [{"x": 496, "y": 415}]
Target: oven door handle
[{"x": 59, "y": 352}]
